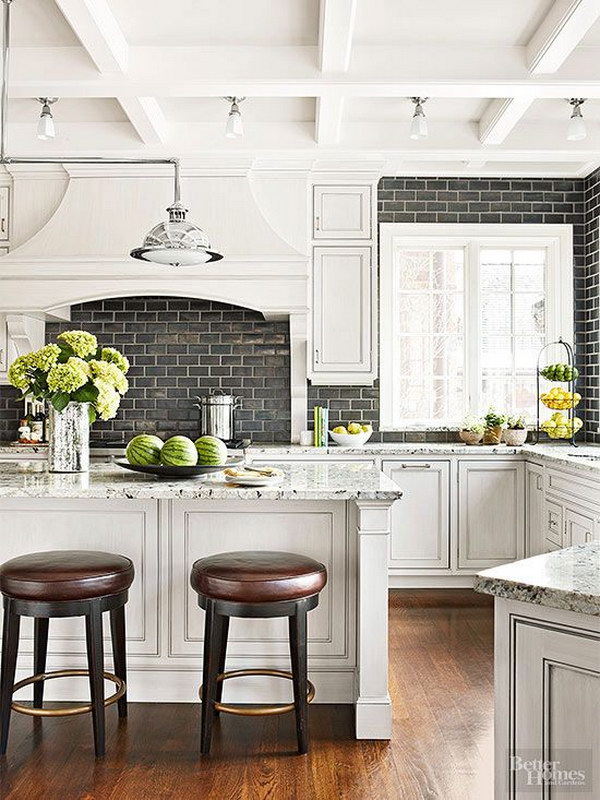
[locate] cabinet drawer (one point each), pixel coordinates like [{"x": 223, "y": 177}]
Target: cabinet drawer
[
  {"x": 569, "y": 486},
  {"x": 553, "y": 524}
]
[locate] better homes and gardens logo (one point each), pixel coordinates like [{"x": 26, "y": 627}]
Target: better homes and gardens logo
[{"x": 569, "y": 769}]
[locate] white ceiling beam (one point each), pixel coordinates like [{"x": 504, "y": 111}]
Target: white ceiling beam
[
  {"x": 147, "y": 118},
  {"x": 336, "y": 29},
  {"x": 97, "y": 29},
  {"x": 328, "y": 120},
  {"x": 560, "y": 32},
  {"x": 500, "y": 117}
]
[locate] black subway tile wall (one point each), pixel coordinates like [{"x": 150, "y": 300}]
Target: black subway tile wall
[
  {"x": 484, "y": 200},
  {"x": 180, "y": 348},
  {"x": 590, "y": 312}
]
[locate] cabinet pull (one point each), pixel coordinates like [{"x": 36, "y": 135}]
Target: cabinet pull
[
  {"x": 539, "y": 482},
  {"x": 415, "y": 466},
  {"x": 3, "y": 224},
  {"x": 317, "y": 356},
  {"x": 588, "y": 536},
  {"x": 317, "y": 223}
]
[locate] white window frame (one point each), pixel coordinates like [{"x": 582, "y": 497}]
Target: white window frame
[{"x": 558, "y": 241}]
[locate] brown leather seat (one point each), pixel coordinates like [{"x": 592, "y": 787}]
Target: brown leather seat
[
  {"x": 258, "y": 576},
  {"x": 65, "y": 575}
]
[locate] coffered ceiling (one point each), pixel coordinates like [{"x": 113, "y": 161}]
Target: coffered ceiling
[{"x": 325, "y": 81}]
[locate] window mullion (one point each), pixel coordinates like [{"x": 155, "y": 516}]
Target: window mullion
[{"x": 472, "y": 326}]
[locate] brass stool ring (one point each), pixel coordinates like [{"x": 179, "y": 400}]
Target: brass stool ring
[
  {"x": 261, "y": 710},
  {"x": 65, "y": 712}
]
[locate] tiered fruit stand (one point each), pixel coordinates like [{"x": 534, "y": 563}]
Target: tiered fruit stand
[{"x": 559, "y": 402}]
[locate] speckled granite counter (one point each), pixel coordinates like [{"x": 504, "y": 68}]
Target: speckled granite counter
[
  {"x": 319, "y": 481},
  {"x": 568, "y": 579}
]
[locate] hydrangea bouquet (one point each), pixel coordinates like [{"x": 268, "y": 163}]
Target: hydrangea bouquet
[{"x": 74, "y": 369}]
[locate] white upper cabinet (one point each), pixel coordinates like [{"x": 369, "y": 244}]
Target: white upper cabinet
[
  {"x": 342, "y": 329},
  {"x": 342, "y": 212},
  {"x": 4, "y": 212}
]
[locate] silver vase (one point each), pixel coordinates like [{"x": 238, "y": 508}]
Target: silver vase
[{"x": 69, "y": 438}]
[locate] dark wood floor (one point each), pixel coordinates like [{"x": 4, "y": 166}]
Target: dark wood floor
[{"x": 441, "y": 684}]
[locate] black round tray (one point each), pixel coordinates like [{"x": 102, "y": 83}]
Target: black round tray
[{"x": 162, "y": 471}]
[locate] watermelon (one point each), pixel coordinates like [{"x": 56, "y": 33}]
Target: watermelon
[
  {"x": 212, "y": 452},
  {"x": 179, "y": 451},
  {"x": 144, "y": 449}
]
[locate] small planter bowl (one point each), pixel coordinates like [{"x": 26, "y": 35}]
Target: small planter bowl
[
  {"x": 470, "y": 437},
  {"x": 493, "y": 435},
  {"x": 514, "y": 437}
]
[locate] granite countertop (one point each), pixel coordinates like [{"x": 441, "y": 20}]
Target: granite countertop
[
  {"x": 318, "y": 481},
  {"x": 568, "y": 579}
]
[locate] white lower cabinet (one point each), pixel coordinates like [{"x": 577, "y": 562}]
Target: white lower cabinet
[
  {"x": 534, "y": 510},
  {"x": 491, "y": 513},
  {"x": 580, "y": 527},
  {"x": 421, "y": 520},
  {"x": 547, "y": 667}
]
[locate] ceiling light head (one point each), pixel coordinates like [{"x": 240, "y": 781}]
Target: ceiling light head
[
  {"x": 576, "y": 130},
  {"x": 418, "y": 124},
  {"x": 235, "y": 127},
  {"x": 45, "y": 128},
  {"x": 176, "y": 242}
]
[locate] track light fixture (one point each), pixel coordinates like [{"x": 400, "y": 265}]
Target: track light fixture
[
  {"x": 45, "y": 128},
  {"x": 418, "y": 125},
  {"x": 235, "y": 127},
  {"x": 576, "y": 130}
]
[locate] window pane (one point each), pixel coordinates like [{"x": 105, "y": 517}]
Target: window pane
[
  {"x": 529, "y": 313},
  {"x": 429, "y": 347},
  {"x": 495, "y": 277},
  {"x": 496, "y": 313},
  {"x": 496, "y": 352},
  {"x": 529, "y": 278},
  {"x": 527, "y": 349},
  {"x": 496, "y": 392}
]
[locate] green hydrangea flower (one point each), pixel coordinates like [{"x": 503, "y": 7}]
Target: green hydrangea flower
[
  {"x": 82, "y": 343},
  {"x": 20, "y": 370},
  {"x": 108, "y": 400},
  {"x": 110, "y": 374},
  {"x": 115, "y": 357},
  {"x": 68, "y": 377},
  {"x": 47, "y": 357}
]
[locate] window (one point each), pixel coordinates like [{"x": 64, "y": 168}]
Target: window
[{"x": 464, "y": 312}]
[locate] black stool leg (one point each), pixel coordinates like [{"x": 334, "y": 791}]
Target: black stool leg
[
  {"x": 297, "y": 627},
  {"x": 95, "y": 654},
  {"x": 212, "y": 628},
  {"x": 40, "y": 649},
  {"x": 10, "y": 644},
  {"x": 117, "y": 632},
  {"x": 224, "y": 633}
]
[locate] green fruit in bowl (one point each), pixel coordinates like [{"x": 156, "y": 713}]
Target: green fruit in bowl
[
  {"x": 179, "y": 451},
  {"x": 212, "y": 452},
  {"x": 340, "y": 429},
  {"x": 367, "y": 428},
  {"x": 354, "y": 428},
  {"x": 144, "y": 450}
]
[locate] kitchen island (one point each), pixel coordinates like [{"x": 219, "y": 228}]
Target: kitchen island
[
  {"x": 547, "y": 673},
  {"x": 336, "y": 513}
]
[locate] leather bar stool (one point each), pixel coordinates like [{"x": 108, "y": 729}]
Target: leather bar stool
[
  {"x": 64, "y": 583},
  {"x": 255, "y": 584}
]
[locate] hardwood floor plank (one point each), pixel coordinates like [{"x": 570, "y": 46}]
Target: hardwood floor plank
[{"x": 441, "y": 686}]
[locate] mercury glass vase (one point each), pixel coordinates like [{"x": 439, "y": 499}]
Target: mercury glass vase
[{"x": 69, "y": 438}]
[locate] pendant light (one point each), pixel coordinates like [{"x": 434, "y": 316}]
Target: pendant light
[
  {"x": 235, "y": 127},
  {"x": 576, "y": 130},
  {"x": 45, "y": 128},
  {"x": 176, "y": 242},
  {"x": 418, "y": 125}
]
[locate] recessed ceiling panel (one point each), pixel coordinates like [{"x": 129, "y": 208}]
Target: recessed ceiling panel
[
  {"x": 218, "y": 22},
  {"x": 469, "y": 22},
  {"x": 39, "y": 23}
]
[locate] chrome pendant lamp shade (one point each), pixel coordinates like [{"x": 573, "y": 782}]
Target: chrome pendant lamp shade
[{"x": 176, "y": 241}]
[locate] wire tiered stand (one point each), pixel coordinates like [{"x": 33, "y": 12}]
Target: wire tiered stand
[{"x": 570, "y": 362}]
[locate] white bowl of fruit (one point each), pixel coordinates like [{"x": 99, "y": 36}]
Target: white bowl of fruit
[{"x": 352, "y": 435}]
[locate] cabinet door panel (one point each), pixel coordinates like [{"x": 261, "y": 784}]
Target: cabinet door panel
[
  {"x": 534, "y": 509},
  {"x": 580, "y": 528},
  {"x": 421, "y": 519},
  {"x": 342, "y": 310},
  {"x": 557, "y": 694},
  {"x": 491, "y": 513},
  {"x": 342, "y": 212}
]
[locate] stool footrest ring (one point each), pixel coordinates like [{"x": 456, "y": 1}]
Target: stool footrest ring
[
  {"x": 259, "y": 711},
  {"x": 65, "y": 712}
]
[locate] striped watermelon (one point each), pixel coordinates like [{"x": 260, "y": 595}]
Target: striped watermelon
[
  {"x": 179, "y": 451},
  {"x": 144, "y": 449},
  {"x": 212, "y": 452}
]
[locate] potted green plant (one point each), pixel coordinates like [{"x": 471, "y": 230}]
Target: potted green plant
[
  {"x": 515, "y": 433},
  {"x": 494, "y": 425},
  {"x": 80, "y": 381},
  {"x": 471, "y": 431}
]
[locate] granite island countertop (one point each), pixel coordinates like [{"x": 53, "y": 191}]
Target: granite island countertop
[
  {"x": 568, "y": 579},
  {"x": 316, "y": 481}
]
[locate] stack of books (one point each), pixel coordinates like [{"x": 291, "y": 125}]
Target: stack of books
[{"x": 320, "y": 426}]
